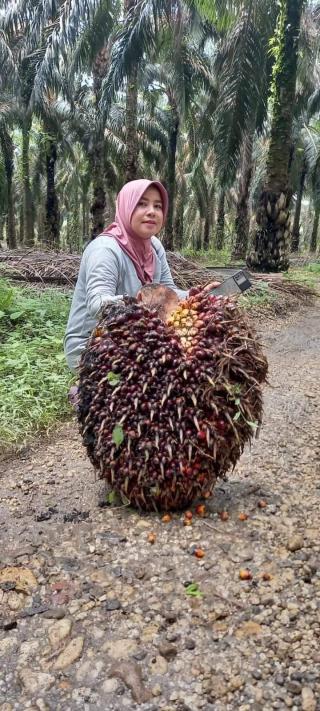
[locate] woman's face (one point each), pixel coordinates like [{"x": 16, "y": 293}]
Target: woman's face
[{"x": 147, "y": 218}]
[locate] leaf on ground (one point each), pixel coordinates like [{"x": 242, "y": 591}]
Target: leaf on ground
[{"x": 193, "y": 590}]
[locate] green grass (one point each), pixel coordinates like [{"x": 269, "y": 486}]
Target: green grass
[
  {"x": 209, "y": 258},
  {"x": 308, "y": 275},
  {"x": 34, "y": 378},
  {"x": 260, "y": 295}
]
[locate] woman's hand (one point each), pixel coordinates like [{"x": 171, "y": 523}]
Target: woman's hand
[{"x": 209, "y": 287}]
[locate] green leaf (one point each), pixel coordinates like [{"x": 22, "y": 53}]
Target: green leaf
[
  {"x": 111, "y": 497},
  {"x": 113, "y": 379},
  {"x": 193, "y": 590},
  {"x": 2, "y": 314},
  {"x": 254, "y": 425},
  {"x": 117, "y": 435},
  {"x": 16, "y": 314},
  {"x": 237, "y": 416}
]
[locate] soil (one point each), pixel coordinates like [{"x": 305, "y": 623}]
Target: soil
[{"x": 93, "y": 616}]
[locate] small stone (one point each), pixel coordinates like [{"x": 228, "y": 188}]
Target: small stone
[
  {"x": 159, "y": 665},
  {"x": 168, "y": 651},
  {"x": 14, "y": 601},
  {"x": 35, "y": 681},
  {"x": 140, "y": 655},
  {"x": 6, "y": 707},
  {"x": 112, "y": 604},
  {"x": 294, "y": 687},
  {"x": 295, "y": 543},
  {"x": 308, "y": 700},
  {"x": 190, "y": 644},
  {"x": 41, "y": 705},
  {"x": 55, "y": 613},
  {"x": 156, "y": 690},
  {"x": 120, "y": 648},
  {"x": 249, "y": 629},
  {"x": 59, "y": 631},
  {"x": 110, "y": 686},
  {"x": 89, "y": 671},
  {"x": 257, "y": 674},
  {"x": 23, "y": 578},
  {"x": 215, "y": 687},
  {"x": 70, "y": 654},
  {"x": 149, "y": 633},
  {"x": 236, "y": 682},
  {"x": 131, "y": 675}
]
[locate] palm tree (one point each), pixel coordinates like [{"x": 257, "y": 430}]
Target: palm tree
[
  {"x": 271, "y": 239},
  {"x": 36, "y": 36},
  {"x": 242, "y": 221}
]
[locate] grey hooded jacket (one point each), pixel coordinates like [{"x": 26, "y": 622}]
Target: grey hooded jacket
[{"x": 106, "y": 274}]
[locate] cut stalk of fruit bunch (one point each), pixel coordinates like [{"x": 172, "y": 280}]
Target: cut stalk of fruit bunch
[{"x": 165, "y": 408}]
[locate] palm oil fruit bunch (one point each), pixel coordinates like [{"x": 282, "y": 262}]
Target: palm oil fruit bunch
[{"x": 166, "y": 407}]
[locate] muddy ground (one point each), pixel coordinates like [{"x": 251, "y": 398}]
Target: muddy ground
[{"x": 100, "y": 619}]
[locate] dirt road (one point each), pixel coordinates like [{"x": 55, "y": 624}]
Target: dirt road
[{"x": 100, "y": 619}]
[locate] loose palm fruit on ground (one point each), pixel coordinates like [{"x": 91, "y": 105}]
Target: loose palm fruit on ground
[
  {"x": 167, "y": 404},
  {"x": 224, "y": 515},
  {"x": 243, "y": 517},
  {"x": 199, "y": 553}
]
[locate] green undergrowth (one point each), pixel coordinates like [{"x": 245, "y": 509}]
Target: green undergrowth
[
  {"x": 210, "y": 258},
  {"x": 34, "y": 378},
  {"x": 259, "y": 295},
  {"x": 308, "y": 275}
]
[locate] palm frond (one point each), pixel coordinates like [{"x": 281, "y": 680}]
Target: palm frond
[
  {"x": 74, "y": 19},
  {"x": 137, "y": 36},
  {"x": 240, "y": 94},
  {"x": 7, "y": 60}
]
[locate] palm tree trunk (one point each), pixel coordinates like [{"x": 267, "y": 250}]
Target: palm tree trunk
[
  {"x": 220, "y": 221},
  {"x": 171, "y": 177},
  {"x": 6, "y": 143},
  {"x": 242, "y": 221},
  {"x": 132, "y": 149},
  {"x": 98, "y": 188},
  {"x": 52, "y": 218},
  {"x": 97, "y": 155},
  {"x": 178, "y": 223},
  {"x": 28, "y": 206},
  {"x": 206, "y": 232},
  {"x": 296, "y": 224},
  {"x": 21, "y": 223},
  {"x": 2, "y": 223},
  {"x": 271, "y": 241},
  {"x": 84, "y": 210},
  {"x": 315, "y": 229}
]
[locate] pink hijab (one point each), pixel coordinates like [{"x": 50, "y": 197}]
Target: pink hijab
[{"x": 139, "y": 250}]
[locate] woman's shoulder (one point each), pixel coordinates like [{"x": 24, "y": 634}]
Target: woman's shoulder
[
  {"x": 102, "y": 244},
  {"x": 157, "y": 246}
]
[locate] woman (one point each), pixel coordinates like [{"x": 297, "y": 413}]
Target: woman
[{"x": 124, "y": 258}]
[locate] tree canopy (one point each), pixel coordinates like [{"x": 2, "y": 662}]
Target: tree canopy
[{"x": 219, "y": 100}]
